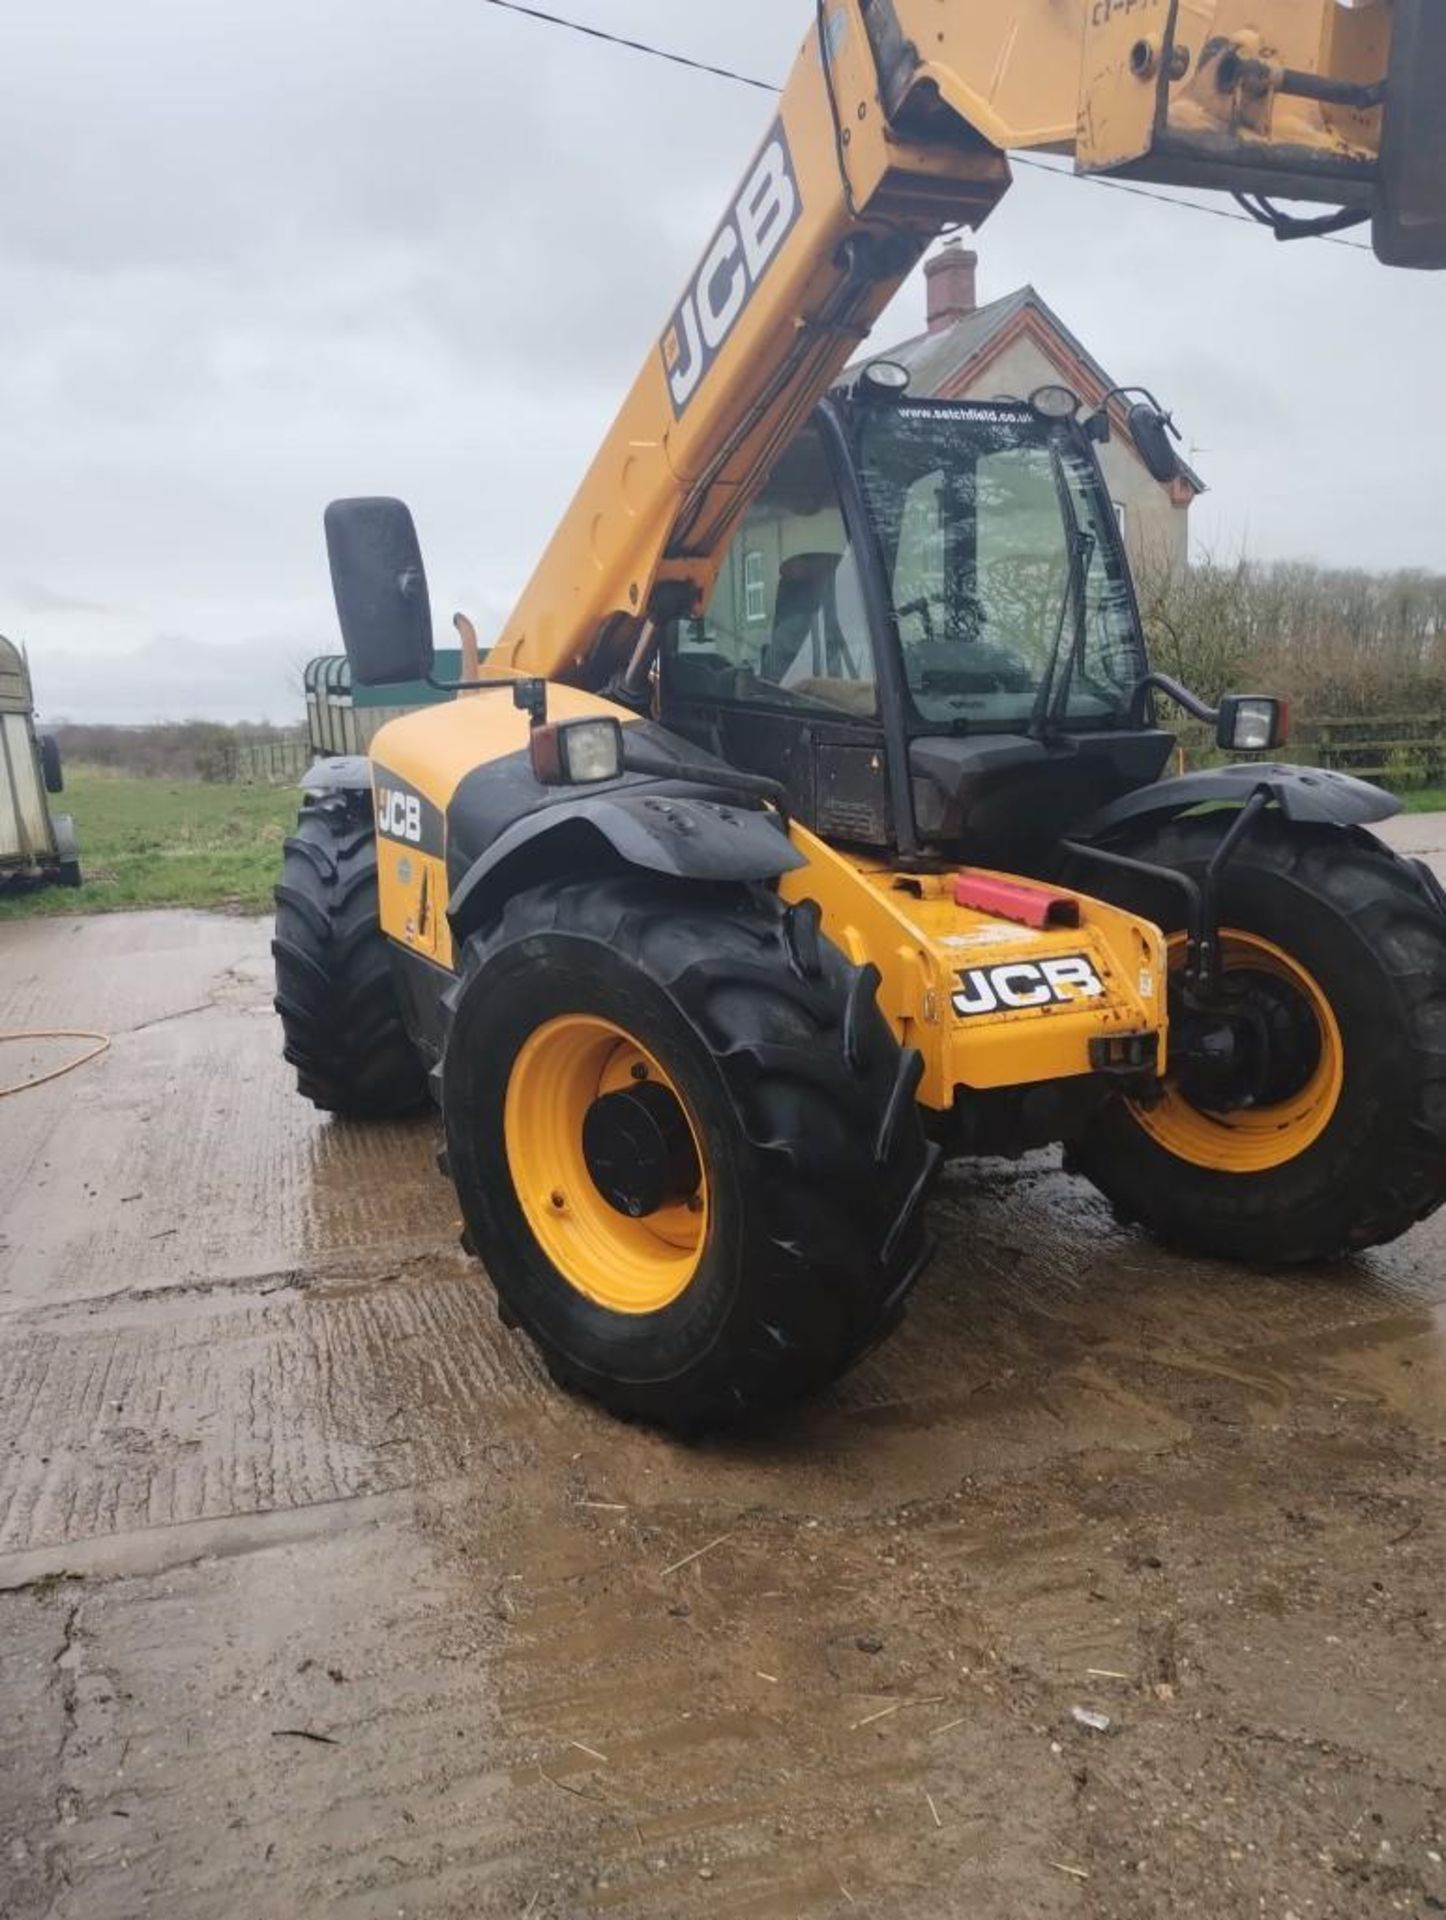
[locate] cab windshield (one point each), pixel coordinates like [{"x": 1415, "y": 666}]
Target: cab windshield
[{"x": 997, "y": 537}]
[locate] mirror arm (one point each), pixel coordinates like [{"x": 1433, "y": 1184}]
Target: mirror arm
[
  {"x": 1118, "y": 393},
  {"x": 1152, "y": 682},
  {"x": 467, "y": 686}
]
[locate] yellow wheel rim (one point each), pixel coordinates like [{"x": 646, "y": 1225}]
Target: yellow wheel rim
[
  {"x": 629, "y": 1265},
  {"x": 1255, "y": 1139}
]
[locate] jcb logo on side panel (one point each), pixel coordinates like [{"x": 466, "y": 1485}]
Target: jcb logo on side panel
[
  {"x": 406, "y": 816},
  {"x": 399, "y": 815},
  {"x": 1027, "y": 983},
  {"x": 743, "y": 250}
]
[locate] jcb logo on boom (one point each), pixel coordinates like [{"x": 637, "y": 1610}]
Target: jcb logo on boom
[
  {"x": 1027, "y": 983},
  {"x": 743, "y": 250}
]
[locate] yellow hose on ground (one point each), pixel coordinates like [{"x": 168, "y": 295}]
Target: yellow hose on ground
[{"x": 102, "y": 1041}]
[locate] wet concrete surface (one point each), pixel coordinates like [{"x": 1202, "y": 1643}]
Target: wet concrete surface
[{"x": 316, "y": 1597}]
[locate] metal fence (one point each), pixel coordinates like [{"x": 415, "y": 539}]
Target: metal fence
[{"x": 265, "y": 763}]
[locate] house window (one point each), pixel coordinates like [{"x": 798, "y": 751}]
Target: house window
[{"x": 755, "y": 589}]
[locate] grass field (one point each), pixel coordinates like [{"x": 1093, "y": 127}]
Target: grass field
[
  {"x": 159, "y": 843},
  {"x": 162, "y": 843}
]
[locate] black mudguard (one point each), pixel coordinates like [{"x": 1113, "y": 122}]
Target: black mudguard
[
  {"x": 345, "y": 773},
  {"x": 682, "y": 835},
  {"x": 1308, "y": 795}
]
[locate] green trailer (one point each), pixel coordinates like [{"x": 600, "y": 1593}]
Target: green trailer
[{"x": 36, "y": 845}]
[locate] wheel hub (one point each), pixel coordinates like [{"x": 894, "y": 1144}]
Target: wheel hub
[
  {"x": 639, "y": 1150},
  {"x": 607, "y": 1164},
  {"x": 1256, "y": 1044},
  {"x": 1256, "y": 1072}
]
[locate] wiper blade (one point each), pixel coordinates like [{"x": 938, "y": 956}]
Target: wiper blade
[
  {"x": 1081, "y": 552},
  {"x": 1065, "y": 681}
]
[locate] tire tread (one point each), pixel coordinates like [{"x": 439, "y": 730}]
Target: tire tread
[
  {"x": 821, "y": 1095},
  {"x": 340, "y": 1015}
]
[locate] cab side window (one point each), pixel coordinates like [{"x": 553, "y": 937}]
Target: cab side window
[{"x": 786, "y": 626}]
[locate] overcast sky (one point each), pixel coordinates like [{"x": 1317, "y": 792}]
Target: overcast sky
[{"x": 255, "y": 255}]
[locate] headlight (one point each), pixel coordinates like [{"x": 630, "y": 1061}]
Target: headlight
[
  {"x": 577, "y": 753},
  {"x": 885, "y": 380},
  {"x": 1055, "y": 403},
  {"x": 1252, "y": 723}
]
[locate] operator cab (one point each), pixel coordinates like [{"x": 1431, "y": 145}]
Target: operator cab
[{"x": 925, "y": 628}]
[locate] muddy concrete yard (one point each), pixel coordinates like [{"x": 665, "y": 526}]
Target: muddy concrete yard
[{"x": 316, "y": 1598}]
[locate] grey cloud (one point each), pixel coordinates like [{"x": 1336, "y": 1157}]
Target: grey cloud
[
  {"x": 175, "y": 677},
  {"x": 34, "y": 596}
]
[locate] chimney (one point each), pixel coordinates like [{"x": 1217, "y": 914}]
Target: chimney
[{"x": 952, "y": 291}]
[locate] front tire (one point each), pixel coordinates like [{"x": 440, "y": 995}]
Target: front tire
[
  {"x": 1340, "y": 951},
  {"x": 685, "y": 1143}
]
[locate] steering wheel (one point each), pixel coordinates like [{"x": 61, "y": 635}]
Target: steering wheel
[{"x": 924, "y": 609}]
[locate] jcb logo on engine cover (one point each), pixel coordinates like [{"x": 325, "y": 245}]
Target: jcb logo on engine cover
[
  {"x": 1027, "y": 983},
  {"x": 406, "y": 815},
  {"x": 743, "y": 250}
]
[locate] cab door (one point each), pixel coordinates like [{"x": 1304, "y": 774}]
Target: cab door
[{"x": 778, "y": 674}]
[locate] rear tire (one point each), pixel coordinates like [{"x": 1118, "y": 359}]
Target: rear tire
[
  {"x": 812, "y": 1166},
  {"x": 335, "y": 991},
  {"x": 1365, "y": 930}
]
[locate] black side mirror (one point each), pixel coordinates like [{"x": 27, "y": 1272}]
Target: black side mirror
[
  {"x": 50, "y": 763},
  {"x": 381, "y": 591},
  {"x": 1410, "y": 223},
  {"x": 1150, "y": 431}
]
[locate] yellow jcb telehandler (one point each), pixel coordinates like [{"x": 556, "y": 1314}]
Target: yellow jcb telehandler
[{"x": 809, "y": 821}]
